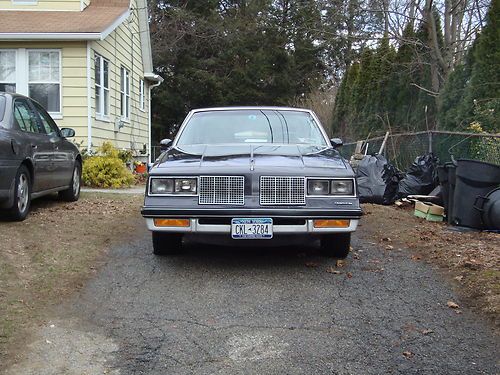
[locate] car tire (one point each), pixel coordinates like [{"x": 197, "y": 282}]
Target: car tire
[
  {"x": 72, "y": 194},
  {"x": 166, "y": 243},
  {"x": 336, "y": 245},
  {"x": 22, "y": 195}
]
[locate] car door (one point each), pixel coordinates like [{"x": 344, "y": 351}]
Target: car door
[
  {"x": 38, "y": 146},
  {"x": 62, "y": 158}
]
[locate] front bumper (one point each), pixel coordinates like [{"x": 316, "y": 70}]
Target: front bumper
[{"x": 198, "y": 225}]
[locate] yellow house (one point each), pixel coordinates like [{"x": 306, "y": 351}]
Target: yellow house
[{"x": 88, "y": 62}]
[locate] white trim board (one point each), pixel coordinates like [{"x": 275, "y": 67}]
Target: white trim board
[{"x": 50, "y": 36}]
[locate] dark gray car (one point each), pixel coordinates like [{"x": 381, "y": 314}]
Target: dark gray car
[
  {"x": 35, "y": 157},
  {"x": 251, "y": 173}
]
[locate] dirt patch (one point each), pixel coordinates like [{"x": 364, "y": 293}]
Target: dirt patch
[
  {"x": 472, "y": 259},
  {"x": 56, "y": 342},
  {"x": 52, "y": 253}
]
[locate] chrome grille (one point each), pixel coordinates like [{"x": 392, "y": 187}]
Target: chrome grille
[
  {"x": 282, "y": 190},
  {"x": 222, "y": 190}
]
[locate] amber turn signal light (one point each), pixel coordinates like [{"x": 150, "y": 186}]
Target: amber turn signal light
[
  {"x": 172, "y": 222},
  {"x": 329, "y": 223}
]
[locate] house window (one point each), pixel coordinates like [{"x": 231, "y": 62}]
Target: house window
[
  {"x": 101, "y": 66},
  {"x": 125, "y": 93},
  {"x": 8, "y": 71},
  {"x": 141, "y": 95},
  {"x": 44, "y": 78}
]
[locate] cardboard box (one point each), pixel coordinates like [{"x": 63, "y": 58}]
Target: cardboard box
[
  {"x": 429, "y": 211},
  {"x": 422, "y": 207},
  {"x": 432, "y": 217},
  {"x": 434, "y": 209}
]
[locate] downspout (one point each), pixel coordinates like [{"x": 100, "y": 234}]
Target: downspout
[
  {"x": 150, "y": 87},
  {"x": 89, "y": 96}
]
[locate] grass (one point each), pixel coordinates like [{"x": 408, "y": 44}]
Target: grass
[
  {"x": 52, "y": 253},
  {"x": 471, "y": 259}
]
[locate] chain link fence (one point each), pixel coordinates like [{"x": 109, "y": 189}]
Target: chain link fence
[{"x": 402, "y": 149}]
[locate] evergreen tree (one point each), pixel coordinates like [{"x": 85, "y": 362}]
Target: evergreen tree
[{"x": 482, "y": 96}]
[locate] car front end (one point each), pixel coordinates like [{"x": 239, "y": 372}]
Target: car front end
[{"x": 255, "y": 191}]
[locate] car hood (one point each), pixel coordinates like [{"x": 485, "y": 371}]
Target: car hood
[{"x": 294, "y": 159}]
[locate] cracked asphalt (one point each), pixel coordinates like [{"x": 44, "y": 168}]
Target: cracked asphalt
[{"x": 217, "y": 310}]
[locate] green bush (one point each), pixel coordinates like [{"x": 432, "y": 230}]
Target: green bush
[{"x": 106, "y": 169}]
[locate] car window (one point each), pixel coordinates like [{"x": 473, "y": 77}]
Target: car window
[
  {"x": 25, "y": 117},
  {"x": 252, "y": 126},
  {"x": 47, "y": 121}
]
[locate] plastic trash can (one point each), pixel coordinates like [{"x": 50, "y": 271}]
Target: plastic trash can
[{"x": 473, "y": 179}]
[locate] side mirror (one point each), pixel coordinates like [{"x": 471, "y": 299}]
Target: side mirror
[
  {"x": 336, "y": 142},
  {"x": 165, "y": 143},
  {"x": 67, "y": 132}
]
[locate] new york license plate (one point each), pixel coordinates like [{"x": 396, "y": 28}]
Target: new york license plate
[{"x": 252, "y": 228}]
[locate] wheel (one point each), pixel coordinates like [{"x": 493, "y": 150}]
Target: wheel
[
  {"x": 73, "y": 192},
  {"x": 336, "y": 245},
  {"x": 22, "y": 195},
  {"x": 166, "y": 243}
]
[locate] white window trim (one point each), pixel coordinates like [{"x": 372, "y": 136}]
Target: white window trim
[
  {"x": 99, "y": 112},
  {"x": 142, "y": 96},
  {"x": 54, "y": 115},
  {"x": 15, "y": 65},
  {"x": 22, "y": 74},
  {"x": 125, "y": 93}
]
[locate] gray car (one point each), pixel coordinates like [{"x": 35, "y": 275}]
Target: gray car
[
  {"x": 35, "y": 157},
  {"x": 244, "y": 174}
]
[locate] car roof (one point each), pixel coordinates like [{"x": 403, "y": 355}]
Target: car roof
[
  {"x": 236, "y": 108},
  {"x": 13, "y": 95}
]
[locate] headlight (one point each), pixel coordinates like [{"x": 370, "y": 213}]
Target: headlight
[
  {"x": 159, "y": 186},
  {"x": 330, "y": 187},
  {"x": 318, "y": 187},
  {"x": 342, "y": 187},
  {"x": 185, "y": 186}
]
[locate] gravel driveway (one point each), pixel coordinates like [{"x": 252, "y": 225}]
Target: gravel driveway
[{"x": 263, "y": 311}]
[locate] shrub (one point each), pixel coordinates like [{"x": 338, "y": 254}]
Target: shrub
[
  {"x": 126, "y": 155},
  {"x": 106, "y": 169}
]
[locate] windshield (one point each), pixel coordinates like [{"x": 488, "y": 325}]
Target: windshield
[{"x": 252, "y": 126}]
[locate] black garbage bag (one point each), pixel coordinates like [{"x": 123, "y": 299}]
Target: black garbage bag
[
  {"x": 392, "y": 176},
  {"x": 371, "y": 185},
  {"x": 420, "y": 178}
]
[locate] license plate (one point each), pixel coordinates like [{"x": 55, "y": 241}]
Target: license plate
[{"x": 254, "y": 229}]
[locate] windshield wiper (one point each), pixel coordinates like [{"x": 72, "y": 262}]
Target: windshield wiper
[
  {"x": 270, "y": 127},
  {"x": 286, "y": 125}
]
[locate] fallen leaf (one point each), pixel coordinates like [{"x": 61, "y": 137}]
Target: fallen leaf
[
  {"x": 452, "y": 305},
  {"x": 388, "y": 239},
  {"x": 389, "y": 247},
  {"x": 311, "y": 264},
  {"x": 349, "y": 275},
  {"x": 408, "y": 354},
  {"x": 471, "y": 264},
  {"x": 339, "y": 263},
  {"x": 333, "y": 270},
  {"x": 416, "y": 257},
  {"x": 427, "y": 331}
]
